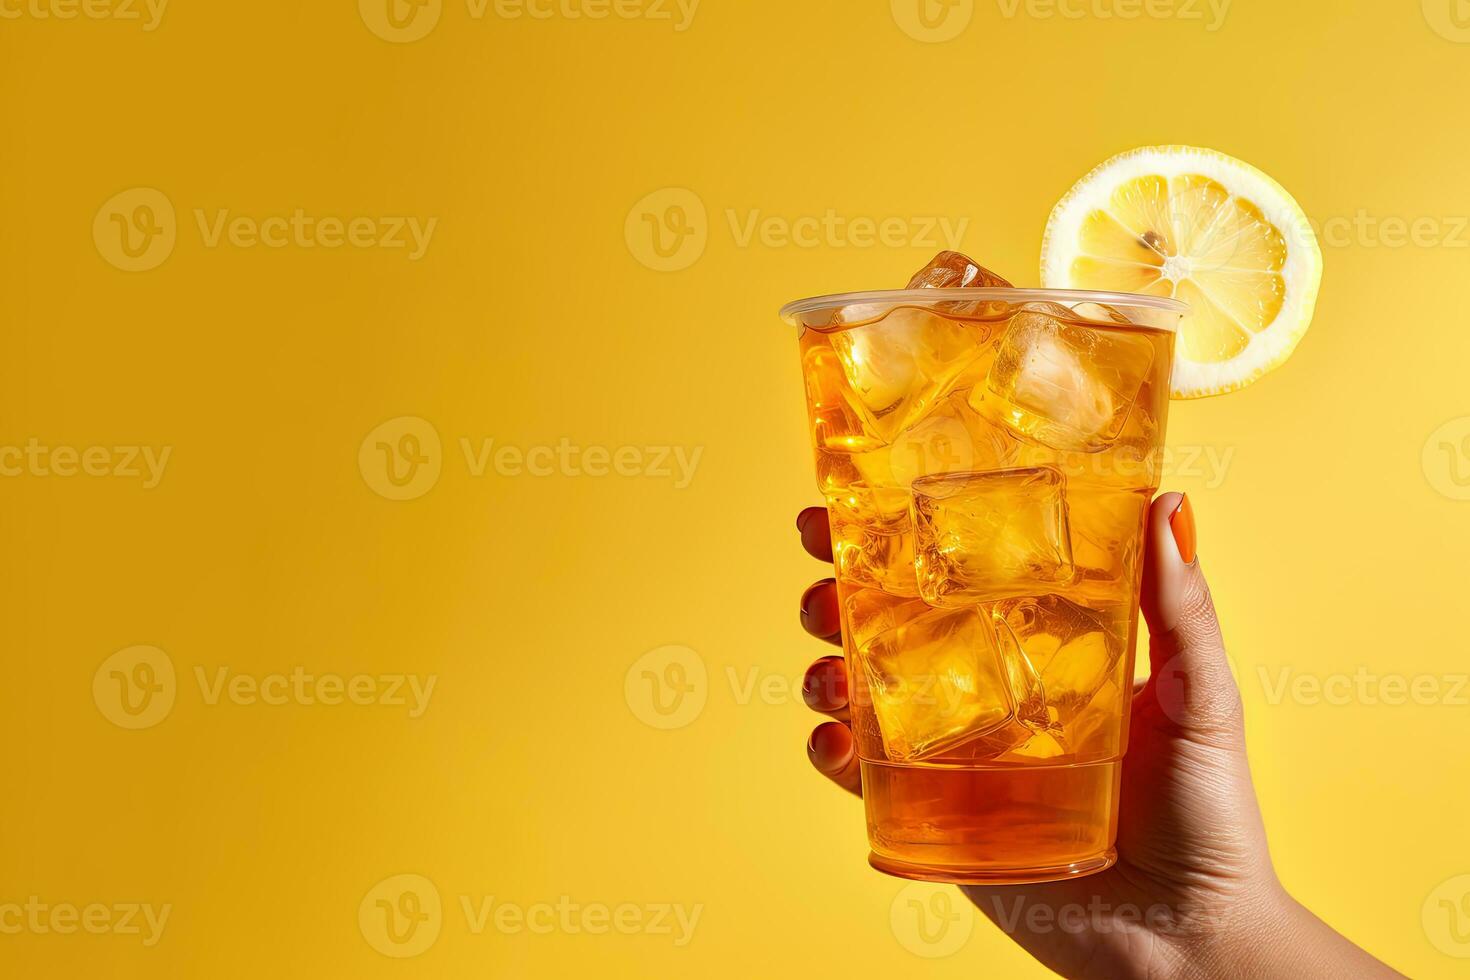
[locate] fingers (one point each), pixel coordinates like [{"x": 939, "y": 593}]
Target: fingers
[
  {"x": 816, "y": 535},
  {"x": 824, "y": 688},
  {"x": 1191, "y": 677},
  {"x": 819, "y": 611},
  {"x": 831, "y": 750}
]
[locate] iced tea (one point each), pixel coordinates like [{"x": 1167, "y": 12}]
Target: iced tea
[{"x": 987, "y": 457}]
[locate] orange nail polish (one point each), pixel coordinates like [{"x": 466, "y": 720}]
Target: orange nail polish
[{"x": 1181, "y": 522}]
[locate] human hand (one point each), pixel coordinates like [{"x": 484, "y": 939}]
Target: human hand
[{"x": 1194, "y": 892}]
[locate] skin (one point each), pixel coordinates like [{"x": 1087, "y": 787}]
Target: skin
[{"x": 1192, "y": 850}]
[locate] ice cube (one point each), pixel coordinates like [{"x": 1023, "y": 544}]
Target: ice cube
[
  {"x": 873, "y": 540},
  {"x": 899, "y": 366},
  {"x": 1107, "y": 537},
  {"x": 935, "y": 681},
  {"x": 1076, "y": 650},
  {"x": 1016, "y": 743},
  {"x": 1066, "y": 386},
  {"x": 838, "y": 424},
  {"x": 1028, "y": 690},
  {"x": 983, "y": 536},
  {"x": 871, "y": 613},
  {"x": 953, "y": 270},
  {"x": 951, "y": 438}
]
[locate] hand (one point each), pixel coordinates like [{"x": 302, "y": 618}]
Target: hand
[{"x": 1194, "y": 892}]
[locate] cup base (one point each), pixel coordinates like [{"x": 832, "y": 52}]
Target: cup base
[
  {"x": 992, "y": 876},
  {"x": 997, "y": 825}
]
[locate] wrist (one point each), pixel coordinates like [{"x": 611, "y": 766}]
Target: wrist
[{"x": 1270, "y": 933}]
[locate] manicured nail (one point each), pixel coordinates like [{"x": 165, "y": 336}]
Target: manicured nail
[
  {"x": 1181, "y": 522},
  {"x": 825, "y": 685},
  {"x": 822, "y": 748},
  {"x": 803, "y": 517},
  {"x": 808, "y": 597}
]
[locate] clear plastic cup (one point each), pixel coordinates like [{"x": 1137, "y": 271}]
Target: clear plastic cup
[{"x": 987, "y": 457}]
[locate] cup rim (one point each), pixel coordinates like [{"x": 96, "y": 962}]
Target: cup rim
[{"x": 924, "y": 297}]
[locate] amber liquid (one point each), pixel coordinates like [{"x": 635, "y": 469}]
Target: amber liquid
[{"x": 987, "y": 471}]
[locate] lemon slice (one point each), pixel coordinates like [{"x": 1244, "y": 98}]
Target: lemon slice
[{"x": 1204, "y": 228}]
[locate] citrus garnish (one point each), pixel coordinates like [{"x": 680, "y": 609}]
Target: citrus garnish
[{"x": 1204, "y": 228}]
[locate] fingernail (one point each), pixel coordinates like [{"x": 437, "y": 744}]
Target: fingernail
[
  {"x": 825, "y": 684},
  {"x": 806, "y": 597},
  {"x": 802, "y": 518},
  {"x": 820, "y": 748},
  {"x": 1181, "y": 522},
  {"x": 823, "y": 750}
]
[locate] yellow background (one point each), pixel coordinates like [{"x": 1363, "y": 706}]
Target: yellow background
[{"x": 1333, "y": 539}]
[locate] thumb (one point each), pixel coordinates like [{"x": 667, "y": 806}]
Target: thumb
[{"x": 1190, "y": 675}]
